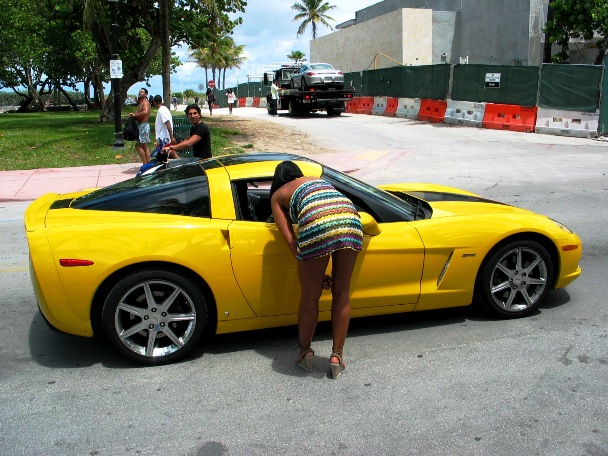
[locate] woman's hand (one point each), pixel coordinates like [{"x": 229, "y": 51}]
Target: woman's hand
[{"x": 327, "y": 282}]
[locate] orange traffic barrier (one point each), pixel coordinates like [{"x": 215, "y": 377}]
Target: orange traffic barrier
[
  {"x": 352, "y": 105},
  {"x": 509, "y": 117},
  {"x": 391, "y": 106},
  {"x": 366, "y": 104},
  {"x": 256, "y": 102},
  {"x": 242, "y": 102},
  {"x": 432, "y": 110}
]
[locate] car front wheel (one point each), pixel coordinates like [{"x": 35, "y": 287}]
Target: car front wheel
[
  {"x": 516, "y": 279},
  {"x": 154, "y": 316}
]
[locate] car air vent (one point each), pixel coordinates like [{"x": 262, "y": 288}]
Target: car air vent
[{"x": 61, "y": 204}]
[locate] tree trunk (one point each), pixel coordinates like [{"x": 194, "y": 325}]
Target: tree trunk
[
  {"x": 166, "y": 49},
  {"x": 72, "y": 104}
]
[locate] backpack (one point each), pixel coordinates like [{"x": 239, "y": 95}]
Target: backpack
[{"x": 131, "y": 131}]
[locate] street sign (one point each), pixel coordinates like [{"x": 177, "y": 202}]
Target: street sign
[
  {"x": 211, "y": 84},
  {"x": 493, "y": 80},
  {"x": 115, "y": 69},
  {"x": 201, "y": 86}
]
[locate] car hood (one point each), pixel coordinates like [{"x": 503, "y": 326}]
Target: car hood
[{"x": 450, "y": 201}]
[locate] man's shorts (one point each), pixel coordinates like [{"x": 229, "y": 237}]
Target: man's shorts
[{"x": 144, "y": 133}]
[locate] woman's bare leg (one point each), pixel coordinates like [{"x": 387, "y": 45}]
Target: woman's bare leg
[
  {"x": 311, "y": 274},
  {"x": 343, "y": 265}
]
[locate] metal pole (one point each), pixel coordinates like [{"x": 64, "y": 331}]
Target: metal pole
[{"x": 119, "y": 141}]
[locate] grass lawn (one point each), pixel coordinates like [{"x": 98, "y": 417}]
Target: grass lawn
[{"x": 64, "y": 139}]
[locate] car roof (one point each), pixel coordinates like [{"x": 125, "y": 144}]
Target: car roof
[{"x": 237, "y": 159}]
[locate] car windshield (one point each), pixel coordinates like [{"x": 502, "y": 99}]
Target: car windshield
[
  {"x": 383, "y": 206},
  {"x": 321, "y": 66},
  {"x": 182, "y": 190}
]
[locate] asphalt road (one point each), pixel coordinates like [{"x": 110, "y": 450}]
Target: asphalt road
[{"x": 438, "y": 383}]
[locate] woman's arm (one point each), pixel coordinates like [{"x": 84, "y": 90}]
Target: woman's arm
[{"x": 283, "y": 222}]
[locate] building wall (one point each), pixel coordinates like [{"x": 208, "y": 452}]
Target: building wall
[
  {"x": 501, "y": 32},
  {"x": 405, "y": 36}
]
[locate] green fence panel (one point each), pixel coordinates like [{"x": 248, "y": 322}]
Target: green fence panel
[
  {"x": 424, "y": 81},
  {"x": 354, "y": 80},
  {"x": 517, "y": 85},
  {"x": 570, "y": 87},
  {"x": 251, "y": 89}
]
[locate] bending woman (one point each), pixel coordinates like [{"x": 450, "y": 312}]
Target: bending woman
[{"x": 328, "y": 225}]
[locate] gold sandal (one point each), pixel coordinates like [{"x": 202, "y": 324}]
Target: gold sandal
[
  {"x": 304, "y": 359},
  {"x": 337, "y": 368}
]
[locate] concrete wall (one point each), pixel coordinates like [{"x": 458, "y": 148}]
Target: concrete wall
[
  {"x": 489, "y": 31},
  {"x": 404, "y": 35}
]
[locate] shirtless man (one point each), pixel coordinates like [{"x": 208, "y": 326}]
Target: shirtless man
[{"x": 142, "y": 115}]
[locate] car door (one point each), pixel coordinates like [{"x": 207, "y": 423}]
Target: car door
[{"x": 387, "y": 272}]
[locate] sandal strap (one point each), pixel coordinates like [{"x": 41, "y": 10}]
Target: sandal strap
[{"x": 337, "y": 354}]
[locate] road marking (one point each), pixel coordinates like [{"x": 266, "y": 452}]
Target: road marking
[{"x": 3, "y": 271}]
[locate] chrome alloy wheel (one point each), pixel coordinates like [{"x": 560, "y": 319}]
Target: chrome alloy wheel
[
  {"x": 155, "y": 318},
  {"x": 519, "y": 279}
]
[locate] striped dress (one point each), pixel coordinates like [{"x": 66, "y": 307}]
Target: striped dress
[{"x": 327, "y": 220}]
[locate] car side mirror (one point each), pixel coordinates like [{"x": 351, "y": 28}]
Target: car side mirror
[{"x": 369, "y": 224}]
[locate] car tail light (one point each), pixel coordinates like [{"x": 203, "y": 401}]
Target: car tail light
[
  {"x": 70, "y": 262},
  {"x": 339, "y": 72},
  {"x": 310, "y": 73}
]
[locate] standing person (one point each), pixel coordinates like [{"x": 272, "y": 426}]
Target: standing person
[
  {"x": 163, "y": 127},
  {"x": 210, "y": 99},
  {"x": 274, "y": 93},
  {"x": 142, "y": 115},
  {"x": 200, "y": 136},
  {"x": 174, "y": 103},
  {"x": 196, "y": 99},
  {"x": 328, "y": 225},
  {"x": 231, "y": 99}
]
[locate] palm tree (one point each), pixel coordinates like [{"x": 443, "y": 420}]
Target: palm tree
[
  {"x": 313, "y": 12},
  {"x": 234, "y": 59},
  {"x": 296, "y": 56}
]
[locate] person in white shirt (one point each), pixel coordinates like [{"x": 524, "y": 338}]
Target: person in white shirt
[
  {"x": 231, "y": 99},
  {"x": 163, "y": 127}
]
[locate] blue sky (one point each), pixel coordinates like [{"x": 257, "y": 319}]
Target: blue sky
[{"x": 269, "y": 35}]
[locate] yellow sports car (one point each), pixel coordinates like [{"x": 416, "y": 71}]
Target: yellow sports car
[{"x": 154, "y": 262}]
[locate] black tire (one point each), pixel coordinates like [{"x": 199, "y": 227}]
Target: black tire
[
  {"x": 303, "y": 85},
  {"x": 516, "y": 279},
  {"x": 330, "y": 111},
  {"x": 154, "y": 316},
  {"x": 293, "y": 108}
]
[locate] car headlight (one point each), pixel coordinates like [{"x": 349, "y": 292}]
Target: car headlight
[{"x": 562, "y": 226}]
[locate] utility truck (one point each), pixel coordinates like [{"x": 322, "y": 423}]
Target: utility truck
[{"x": 301, "y": 102}]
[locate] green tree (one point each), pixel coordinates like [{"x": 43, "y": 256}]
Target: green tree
[
  {"x": 312, "y": 12},
  {"x": 577, "y": 19},
  {"x": 296, "y": 56}
]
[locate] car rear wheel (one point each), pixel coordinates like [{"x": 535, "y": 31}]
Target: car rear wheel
[
  {"x": 516, "y": 279},
  {"x": 154, "y": 316},
  {"x": 303, "y": 85}
]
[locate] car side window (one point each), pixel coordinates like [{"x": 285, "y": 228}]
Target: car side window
[
  {"x": 253, "y": 200},
  {"x": 182, "y": 190}
]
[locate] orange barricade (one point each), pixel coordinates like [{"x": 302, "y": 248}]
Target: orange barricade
[
  {"x": 366, "y": 104},
  {"x": 256, "y": 102},
  {"x": 352, "y": 105},
  {"x": 432, "y": 110},
  {"x": 509, "y": 117},
  {"x": 242, "y": 102},
  {"x": 391, "y": 106}
]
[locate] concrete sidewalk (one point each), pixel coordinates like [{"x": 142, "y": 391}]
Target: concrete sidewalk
[{"x": 27, "y": 185}]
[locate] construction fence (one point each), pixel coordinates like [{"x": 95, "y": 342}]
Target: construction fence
[{"x": 551, "y": 98}]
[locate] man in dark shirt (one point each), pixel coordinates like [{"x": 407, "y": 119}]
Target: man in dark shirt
[{"x": 200, "y": 136}]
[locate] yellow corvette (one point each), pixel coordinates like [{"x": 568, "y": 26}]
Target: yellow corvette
[{"x": 154, "y": 262}]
